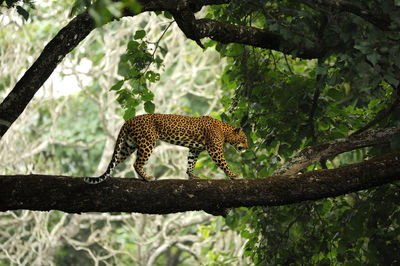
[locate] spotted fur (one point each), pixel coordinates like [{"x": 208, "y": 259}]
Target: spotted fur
[{"x": 198, "y": 134}]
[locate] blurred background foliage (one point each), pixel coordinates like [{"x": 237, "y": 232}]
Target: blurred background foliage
[{"x": 283, "y": 103}]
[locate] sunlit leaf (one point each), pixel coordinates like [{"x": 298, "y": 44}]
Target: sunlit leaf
[
  {"x": 139, "y": 34},
  {"x": 117, "y": 85}
]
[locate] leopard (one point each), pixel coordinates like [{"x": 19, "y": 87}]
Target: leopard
[{"x": 140, "y": 134}]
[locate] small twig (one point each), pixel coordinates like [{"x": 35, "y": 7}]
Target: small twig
[
  {"x": 162, "y": 35},
  {"x": 157, "y": 44},
  {"x": 287, "y": 63},
  {"x": 273, "y": 57}
]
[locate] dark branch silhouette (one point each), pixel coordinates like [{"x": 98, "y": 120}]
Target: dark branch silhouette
[{"x": 68, "y": 194}]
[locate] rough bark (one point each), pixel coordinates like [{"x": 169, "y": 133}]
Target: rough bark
[
  {"x": 229, "y": 33},
  {"x": 68, "y": 194}
]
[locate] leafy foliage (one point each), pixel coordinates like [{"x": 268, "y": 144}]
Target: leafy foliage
[
  {"x": 134, "y": 68},
  {"x": 285, "y": 104}
]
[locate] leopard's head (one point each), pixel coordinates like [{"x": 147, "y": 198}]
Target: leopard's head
[{"x": 238, "y": 139}]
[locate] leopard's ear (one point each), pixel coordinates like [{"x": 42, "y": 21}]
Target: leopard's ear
[{"x": 237, "y": 130}]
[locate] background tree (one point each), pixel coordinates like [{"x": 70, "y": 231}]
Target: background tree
[{"x": 314, "y": 77}]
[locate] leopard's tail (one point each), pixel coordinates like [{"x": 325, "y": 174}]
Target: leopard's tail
[
  {"x": 115, "y": 160},
  {"x": 96, "y": 180}
]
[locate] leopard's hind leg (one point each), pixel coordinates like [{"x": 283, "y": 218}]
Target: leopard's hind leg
[{"x": 143, "y": 153}]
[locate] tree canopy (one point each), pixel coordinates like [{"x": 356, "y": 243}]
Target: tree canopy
[{"x": 313, "y": 84}]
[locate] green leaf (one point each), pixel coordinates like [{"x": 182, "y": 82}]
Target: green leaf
[
  {"x": 133, "y": 45},
  {"x": 139, "y": 34},
  {"x": 129, "y": 113},
  {"x": 210, "y": 43},
  {"x": 123, "y": 95},
  {"x": 224, "y": 117},
  {"x": 152, "y": 76},
  {"x": 124, "y": 58},
  {"x": 134, "y": 6},
  {"x": 235, "y": 50},
  {"x": 117, "y": 85},
  {"x": 205, "y": 231},
  {"x": 134, "y": 73},
  {"x": 123, "y": 68},
  {"x": 232, "y": 219},
  {"x": 163, "y": 50},
  {"x": 149, "y": 107},
  {"x": 147, "y": 96},
  {"x": 167, "y": 15}
]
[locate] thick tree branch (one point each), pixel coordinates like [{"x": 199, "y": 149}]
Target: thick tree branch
[
  {"x": 68, "y": 194},
  {"x": 186, "y": 22},
  {"x": 315, "y": 153},
  {"x": 229, "y": 33}
]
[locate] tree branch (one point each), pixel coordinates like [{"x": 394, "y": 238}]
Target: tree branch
[
  {"x": 229, "y": 33},
  {"x": 186, "y": 22},
  {"x": 68, "y": 194},
  {"x": 315, "y": 153}
]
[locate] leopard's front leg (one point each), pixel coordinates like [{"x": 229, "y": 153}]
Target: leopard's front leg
[{"x": 216, "y": 153}]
